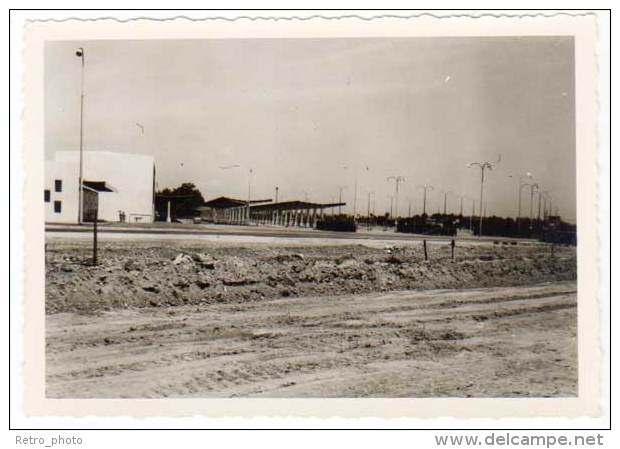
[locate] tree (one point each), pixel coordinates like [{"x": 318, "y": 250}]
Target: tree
[{"x": 184, "y": 201}]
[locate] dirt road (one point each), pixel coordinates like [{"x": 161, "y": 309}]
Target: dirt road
[{"x": 486, "y": 342}]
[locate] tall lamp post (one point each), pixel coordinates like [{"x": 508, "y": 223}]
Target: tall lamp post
[
  {"x": 425, "y": 187},
  {"x": 445, "y": 200},
  {"x": 522, "y": 184},
  {"x": 461, "y": 197},
  {"x": 397, "y": 180},
  {"x": 533, "y": 187},
  {"x": 370, "y": 193},
  {"x": 80, "y": 54},
  {"x": 546, "y": 197},
  {"x": 483, "y": 166}
]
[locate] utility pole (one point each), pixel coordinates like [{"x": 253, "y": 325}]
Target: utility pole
[
  {"x": 425, "y": 188},
  {"x": 277, "y": 188},
  {"x": 80, "y": 54},
  {"x": 397, "y": 181},
  {"x": 483, "y": 166}
]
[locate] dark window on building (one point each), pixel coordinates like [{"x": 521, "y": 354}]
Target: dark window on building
[
  {"x": 58, "y": 185},
  {"x": 47, "y": 196},
  {"x": 57, "y": 206}
]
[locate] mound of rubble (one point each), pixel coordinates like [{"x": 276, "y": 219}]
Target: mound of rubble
[{"x": 139, "y": 275}]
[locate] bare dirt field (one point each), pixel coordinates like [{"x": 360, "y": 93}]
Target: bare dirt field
[{"x": 168, "y": 319}]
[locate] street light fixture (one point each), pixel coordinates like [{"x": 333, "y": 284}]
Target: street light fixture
[
  {"x": 539, "y": 204},
  {"x": 81, "y": 54},
  {"x": 391, "y": 197},
  {"x": 483, "y": 166},
  {"x": 356, "y": 190},
  {"x": 546, "y": 197},
  {"x": 370, "y": 193},
  {"x": 471, "y": 216},
  {"x": 397, "y": 181},
  {"x": 340, "y": 189},
  {"x": 522, "y": 184},
  {"x": 425, "y": 187},
  {"x": 533, "y": 187},
  {"x": 445, "y": 200}
]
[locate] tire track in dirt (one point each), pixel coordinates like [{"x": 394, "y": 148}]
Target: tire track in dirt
[{"x": 492, "y": 342}]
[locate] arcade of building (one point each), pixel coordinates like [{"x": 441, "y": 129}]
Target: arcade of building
[{"x": 224, "y": 210}]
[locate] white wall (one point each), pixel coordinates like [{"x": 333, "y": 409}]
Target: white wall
[
  {"x": 130, "y": 175},
  {"x": 69, "y": 195}
]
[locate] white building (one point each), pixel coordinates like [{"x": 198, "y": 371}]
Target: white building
[{"x": 128, "y": 181}]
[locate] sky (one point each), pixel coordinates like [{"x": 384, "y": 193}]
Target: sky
[{"x": 312, "y": 116}]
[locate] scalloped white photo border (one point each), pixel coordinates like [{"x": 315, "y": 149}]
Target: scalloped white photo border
[{"x": 582, "y": 27}]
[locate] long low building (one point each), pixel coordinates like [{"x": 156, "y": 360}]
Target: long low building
[
  {"x": 226, "y": 210},
  {"x": 120, "y": 185},
  {"x": 287, "y": 213}
]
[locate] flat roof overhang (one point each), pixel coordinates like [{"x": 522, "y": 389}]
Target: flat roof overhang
[
  {"x": 294, "y": 205},
  {"x": 226, "y": 203},
  {"x": 98, "y": 186}
]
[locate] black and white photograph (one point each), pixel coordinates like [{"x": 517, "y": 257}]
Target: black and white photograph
[
  {"x": 311, "y": 218},
  {"x": 251, "y": 210}
]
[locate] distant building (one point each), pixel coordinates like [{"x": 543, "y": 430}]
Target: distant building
[
  {"x": 284, "y": 213},
  {"x": 118, "y": 184}
]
